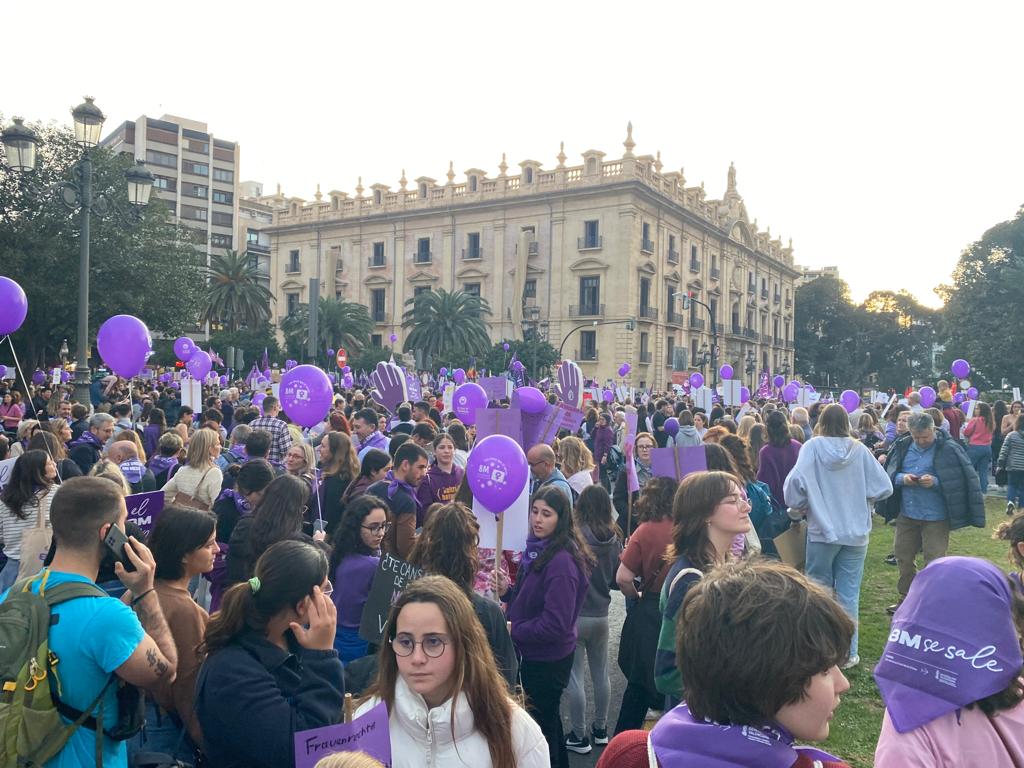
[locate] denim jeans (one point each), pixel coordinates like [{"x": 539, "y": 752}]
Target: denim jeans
[
  {"x": 981, "y": 459},
  {"x": 592, "y": 651},
  {"x": 162, "y": 733},
  {"x": 840, "y": 568},
  {"x": 1015, "y": 488}
]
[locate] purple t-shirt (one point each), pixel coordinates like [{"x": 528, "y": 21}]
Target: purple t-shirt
[{"x": 353, "y": 578}]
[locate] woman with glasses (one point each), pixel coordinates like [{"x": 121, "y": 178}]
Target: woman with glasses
[
  {"x": 270, "y": 668},
  {"x": 447, "y": 704},
  {"x": 642, "y": 447},
  {"x": 354, "y": 561}
]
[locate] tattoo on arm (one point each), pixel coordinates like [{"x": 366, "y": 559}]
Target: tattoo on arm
[
  {"x": 153, "y": 621},
  {"x": 155, "y": 661}
]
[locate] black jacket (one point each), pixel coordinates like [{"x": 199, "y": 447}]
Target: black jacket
[
  {"x": 85, "y": 456},
  {"x": 961, "y": 489},
  {"x": 252, "y": 697}
]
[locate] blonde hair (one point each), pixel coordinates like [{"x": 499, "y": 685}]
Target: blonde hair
[
  {"x": 575, "y": 456},
  {"x": 108, "y": 470},
  {"x": 746, "y": 424},
  {"x": 349, "y": 760},
  {"x": 131, "y": 436},
  {"x": 198, "y": 456},
  {"x": 307, "y": 456}
]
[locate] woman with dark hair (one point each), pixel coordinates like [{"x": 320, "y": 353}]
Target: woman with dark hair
[
  {"x": 339, "y": 466},
  {"x": 550, "y": 588},
  {"x": 446, "y": 702},
  {"x": 457, "y": 432},
  {"x": 778, "y": 457},
  {"x": 449, "y": 546},
  {"x": 354, "y": 561},
  {"x": 643, "y": 563},
  {"x": 594, "y": 518},
  {"x": 49, "y": 443},
  {"x": 442, "y": 480},
  {"x": 1011, "y": 458},
  {"x": 271, "y": 669},
  {"x": 24, "y": 504},
  {"x": 278, "y": 516},
  {"x": 184, "y": 545},
  {"x": 708, "y": 512},
  {"x": 374, "y": 467},
  {"x": 151, "y": 434},
  {"x": 756, "y": 440}
]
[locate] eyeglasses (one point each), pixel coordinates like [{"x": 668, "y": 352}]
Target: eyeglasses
[
  {"x": 432, "y": 645},
  {"x": 377, "y": 528},
  {"x": 644, "y": 447},
  {"x": 327, "y": 589}
]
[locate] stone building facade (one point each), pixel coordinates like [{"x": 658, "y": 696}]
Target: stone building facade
[{"x": 572, "y": 252}]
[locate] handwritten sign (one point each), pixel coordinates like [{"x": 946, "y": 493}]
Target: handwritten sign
[
  {"x": 678, "y": 462},
  {"x": 393, "y": 575},
  {"x": 368, "y": 733},
  {"x": 6, "y": 467},
  {"x": 144, "y": 509},
  {"x": 496, "y": 387}
]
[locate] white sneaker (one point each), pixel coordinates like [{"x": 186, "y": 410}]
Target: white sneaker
[{"x": 852, "y": 662}]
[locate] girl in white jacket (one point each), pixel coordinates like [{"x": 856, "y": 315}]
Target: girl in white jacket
[{"x": 448, "y": 705}]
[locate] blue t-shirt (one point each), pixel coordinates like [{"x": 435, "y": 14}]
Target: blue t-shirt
[{"x": 93, "y": 637}]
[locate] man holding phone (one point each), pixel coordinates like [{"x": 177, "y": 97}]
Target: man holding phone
[{"x": 96, "y": 637}]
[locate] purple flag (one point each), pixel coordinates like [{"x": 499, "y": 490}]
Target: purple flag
[
  {"x": 144, "y": 509},
  {"x": 368, "y": 733},
  {"x": 678, "y": 462}
]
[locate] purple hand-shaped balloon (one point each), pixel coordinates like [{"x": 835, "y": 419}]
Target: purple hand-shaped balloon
[
  {"x": 391, "y": 387},
  {"x": 570, "y": 384}
]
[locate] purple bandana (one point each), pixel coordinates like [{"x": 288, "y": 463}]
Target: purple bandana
[
  {"x": 952, "y": 642},
  {"x": 394, "y": 484},
  {"x": 88, "y": 438},
  {"x": 376, "y": 440},
  {"x": 534, "y": 548},
  {"x": 160, "y": 464},
  {"x": 680, "y": 739},
  {"x": 133, "y": 470},
  {"x": 243, "y": 506}
]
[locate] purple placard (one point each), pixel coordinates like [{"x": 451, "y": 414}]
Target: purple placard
[
  {"x": 496, "y": 387},
  {"x": 499, "y": 421},
  {"x": 413, "y": 387},
  {"x": 678, "y": 462},
  {"x": 368, "y": 733},
  {"x": 144, "y": 509},
  {"x": 572, "y": 417}
]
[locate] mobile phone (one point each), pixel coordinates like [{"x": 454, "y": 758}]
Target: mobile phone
[
  {"x": 116, "y": 542},
  {"x": 318, "y": 526}
]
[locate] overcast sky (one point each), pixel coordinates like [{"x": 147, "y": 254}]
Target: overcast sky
[{"x": 882, "y": 137}]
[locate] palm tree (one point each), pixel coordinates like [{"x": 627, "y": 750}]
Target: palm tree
[
  {"x": 340, "y": 323},
  {"x": 446, "y": 325},
  {"x": 235, "y": 296}
]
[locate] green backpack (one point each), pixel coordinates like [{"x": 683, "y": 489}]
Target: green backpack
[{"x": 31, "y": 728}]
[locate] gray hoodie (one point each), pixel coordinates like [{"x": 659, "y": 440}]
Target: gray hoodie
[
  {"x": 687, "y": 436},
  {"x": 607, "y": 552}
]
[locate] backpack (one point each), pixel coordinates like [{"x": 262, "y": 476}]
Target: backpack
[
  {"x": 31, "y": 729},
  {"x": 767, "y": 518}
]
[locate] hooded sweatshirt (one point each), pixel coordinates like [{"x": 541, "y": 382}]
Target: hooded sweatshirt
[
  {"x": 687, "y": 436},
  {"x": 607, "y": 552},
  {"x": 837, "y": 480},
  {"x": 438, "y": 486}
]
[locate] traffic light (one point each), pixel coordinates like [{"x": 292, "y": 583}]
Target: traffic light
[{"x": 686, "y": 299}]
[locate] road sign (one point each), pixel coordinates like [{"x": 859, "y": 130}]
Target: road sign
[{"x": 342, "y": 358}]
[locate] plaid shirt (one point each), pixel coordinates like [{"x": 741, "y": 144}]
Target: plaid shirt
[{"x": 280, "y": 437}]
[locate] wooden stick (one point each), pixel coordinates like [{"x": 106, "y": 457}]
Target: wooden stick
[
  {"x": 498, "y": 553},
  {"x": 629, "y": 510},
  {"x": 347, "y": 716}
]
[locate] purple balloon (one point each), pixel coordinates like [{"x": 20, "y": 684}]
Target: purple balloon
[
  {"x": 347, "y": 369},
  {"x": 672, "y": 426},
  {"x": 960, "y": 368},
  {"x": 964, "y": 406},
  {"x": 330, "y": 353},
  {"x": 467, "y": 398},
  {"x": 394, "y": 338},
  {"x": 306, "y": 395},
  {"x": 199, "y": 364},
  {"x": 530, "y": 399},
  {"x": 13, "y": 306},
  {"x": 518, "y": 366},
  {"x": 184, "y": 348},
  {"x": 850, "y": 400},
  {"x": 779, "y": 380},
  {"x": 624, "y": 369},
  {"x": 696, "y": 380},
  {"x": 725, "y": 371},
  {"x": 223, "y": 380},
  {"x": 790, "y": 391},
  {"x": 347, "y": 381},
  {"x": 333, "y": 377},
  {"x": 972, "y": 393},
  {"x": 124, "y": 344},
  {"x": 497, "y": 472},
  {"x": 744, "y": 394},
  {"x": 608, "y": 396},
  {"x": 505, "y": 346},
  {"x": 460, "y": 376},
  {"x": 443, "y": 372},
  {"x": 65, "y": 377},
  {"x": 927, "y": 397},
  {"x": 38, "y": 377},
  {"x": 959, "y": 397},
  {"x": 176, "y": 384}
]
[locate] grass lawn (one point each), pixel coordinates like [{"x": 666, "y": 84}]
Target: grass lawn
[{"x": 858, "y": 720}]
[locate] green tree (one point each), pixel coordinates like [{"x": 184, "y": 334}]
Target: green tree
[
  {"x": 234, "y": 295},
  {"x": 447, "y": 326},
  {"x": 497, "y": 359},
  {"x": 149, "y": 268},
  {"x": 828, "y": 351},
  {"x": 340, "y": 324},
  {"x": 252, "y": 342},
  {"x": 368, "y": 358},
  {"x": 984, "y": 306},
  {"x": 902, "y": 333}
]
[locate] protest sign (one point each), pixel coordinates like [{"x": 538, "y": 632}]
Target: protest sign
[
  {"x": 622, "y": 394},
  {"x": 496, "y": 387},
  {"x": 192, "y": 394},
  {"x": 368, "y": 733},
  {"x": 391, "y": 578},
  {"x": 6, "y": 467},
  {"x": 144, "y": 509},
  {"x": 890, "y": 404},
  {"x": 412, "y": 385},
  {"x": 702, "y": 398},
  {"x": 449, "y": 398},
  {"x": 1016, "y": 394},
  {"x": 499, "y": 421},
  {"x": 515, "y": 527},
  {"x": 731, "y": 392},
  {"x": 678, "y": 462}
]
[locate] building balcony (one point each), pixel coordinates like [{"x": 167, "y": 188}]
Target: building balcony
[
  {"x": 647, "y": 245},
  {"x": 257, "y": 249},
  {"x": 292, "y": 269},
  {"x": 789, "y": 344},
  {"x": 751, "y": 288},
  {"x": 737, "y": 330},
  {"x": 695, "y": 265},
  {"x": 589, "y": 243},
  {"x": 376, "y": 262},
  {"x": 777, "y": 298},
  {"x": 750, "y": 333},
  {"x": 472, "y": 254},
  {"x": 585, "y": 356},
  {"x": 766, "y": 338},
  {"x": 716, "y": 273},
  {"x": 764, "y": 294},
  {"x": 422, "y": 257},
  {"x": 648, "y": 313},
  {"x": 720, "y": 328},
  {"x": 673, "y": 256},
  {"x": 380, "y": 317},
  {"x": 697, "y": 323},
  {"x": 778, "y": 341},
  {"x": 645, "y": 358},
  {"x": 586, "y": 310},
  {"x": 789, "y": 303}
]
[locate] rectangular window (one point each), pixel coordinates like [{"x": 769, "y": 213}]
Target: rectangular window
[
  {"x": 202, "y": 147},
  {"x": 423, "y": 250},
  {"x": 191, "y": 212},
  {"x": 377, "y": 304},
  {"x": 644, "y": 342},
  {"x": 713, "y": 303},
  {"x": 420, "y": 289},
  {"x": 223, "y": 219},
  {"x": 673, "y": 254},
  {"x": 473, "y": 289},
  {"x": 293, "y": 261},
  {"x": 219, "y": 174},
  {"x": 378, "y": 254},
  {"x": 194, "y": 190},
  {"x": 670, "y": 349},
  {"x": 645, "y": 295},
  {"x": 293, "y": 303},
  {"x": 530, "y": 289},
  {"x": 196, "y": 169},
  {"x": 376, "y": 340},
  {"x": 164, "y": 183},
  {"x": 161, "y": 158},
  {"x": 590, "y": 295},
  {"x": 646, "y": 244},
  {"x": 588, "y": 345},
  {"x": 591, "y": 234},
  {"x": 220, "y": 241},
  {"x": 472, "y": 246},
  {"x": 227, "y": 198},
  {"x": 693, "y": 253}
]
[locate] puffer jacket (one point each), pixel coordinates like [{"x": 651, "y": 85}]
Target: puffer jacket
[
  {"x": 961, "y": 489},
  {"x": 1011, "y": 455},
  {"x": 423, "y": 738}
]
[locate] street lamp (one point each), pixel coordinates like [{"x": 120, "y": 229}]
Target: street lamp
[
  {"x": 20, "y": 145},
  {"x": 535, "y": 330},
  {"x": 751, "y": 367}
]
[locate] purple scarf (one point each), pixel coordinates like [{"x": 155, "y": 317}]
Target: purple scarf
[
  {"x": 376, "y": 440},
  {"x": 243, "y": 506},
  {"x": 133, "y": 470},
  {"x": 952, "y": 642},
  {"x": 88, "y": 438},
  {"x": 394, "y": 484},
  {"x": 681, "y": 739},
  {"x": 159, "y": 464},
  {"x": 534, "y": 549}
]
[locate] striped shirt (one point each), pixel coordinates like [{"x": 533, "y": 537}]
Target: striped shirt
[{"x": 12, "y": 527}]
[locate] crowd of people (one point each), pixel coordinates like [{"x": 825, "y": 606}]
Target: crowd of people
[{"x": 235, "y": 621}]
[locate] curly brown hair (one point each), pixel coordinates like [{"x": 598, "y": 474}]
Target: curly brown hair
[
  {"x": 739, "y": 450},
  {"x": 449, "y": 545},
  {"x": 655, "y": 501}
]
